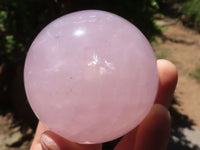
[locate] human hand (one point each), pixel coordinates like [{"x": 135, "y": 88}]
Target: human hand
[{"x": 151, "y": 134}]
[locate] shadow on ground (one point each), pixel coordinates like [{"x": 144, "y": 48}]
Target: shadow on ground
[
  {"x": 178, "y": 140},
  {"x": 15, "y": 131},
  {"x": 17, "y": 121}
]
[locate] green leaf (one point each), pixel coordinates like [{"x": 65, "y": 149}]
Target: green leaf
[
  {"x": 9, "y": 43},
  {"x": 3, "y": 16}
]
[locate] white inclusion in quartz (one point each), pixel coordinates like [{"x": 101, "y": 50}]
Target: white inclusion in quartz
[
  {"x": 105, "y": 68},
  {"x": 94, "y": 60},
  {"x": 102, "y": 70},
  {"x": 92, "y": 18},
  {"x": 79, "y": 32},
  {"x": 109, "y": 65}
]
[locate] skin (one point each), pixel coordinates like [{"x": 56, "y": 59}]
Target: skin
[{"x": 151, "y": 134}]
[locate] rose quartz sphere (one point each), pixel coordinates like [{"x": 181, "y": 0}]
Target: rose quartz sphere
[{"x": 91, "y": 76}]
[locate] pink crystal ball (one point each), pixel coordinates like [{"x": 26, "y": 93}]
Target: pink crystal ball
[{"x": 91, "y": 76}]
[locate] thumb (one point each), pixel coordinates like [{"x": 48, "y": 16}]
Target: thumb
[{"x": 52, "y": 141}]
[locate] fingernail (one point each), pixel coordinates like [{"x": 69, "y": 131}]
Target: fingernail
[{"x": 48, "y": 143}]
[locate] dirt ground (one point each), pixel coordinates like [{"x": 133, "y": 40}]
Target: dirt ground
[
  {"x": 182, "y": 46},
  {"x": 13, "y": 134},
  {"x": 178, "y": 44}
]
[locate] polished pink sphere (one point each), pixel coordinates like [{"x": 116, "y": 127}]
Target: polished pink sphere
[{"x": 91, "y": 76}]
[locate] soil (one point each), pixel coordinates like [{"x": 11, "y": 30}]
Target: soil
[
  {"x": 13, "y": 134},
  {"x": 181, "y": 46},
  {"x": 177, "y": 44}
]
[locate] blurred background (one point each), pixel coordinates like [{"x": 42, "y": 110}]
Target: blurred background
[{"x": 172, "y": 27}]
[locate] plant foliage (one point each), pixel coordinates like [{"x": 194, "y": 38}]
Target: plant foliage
[{"x": 191, "y": 9}]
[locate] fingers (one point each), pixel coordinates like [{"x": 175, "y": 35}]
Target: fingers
[
  {"x": 128, "y": 141},
  {"x": 47, "y": 140},
  {"x": 51, "y": 141},
  {"x": 36, "y": 141},
  {"x": 156, "y": 126},
  {"x": 168, "y": 78},
  {"x": 153, "y": 133}
]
